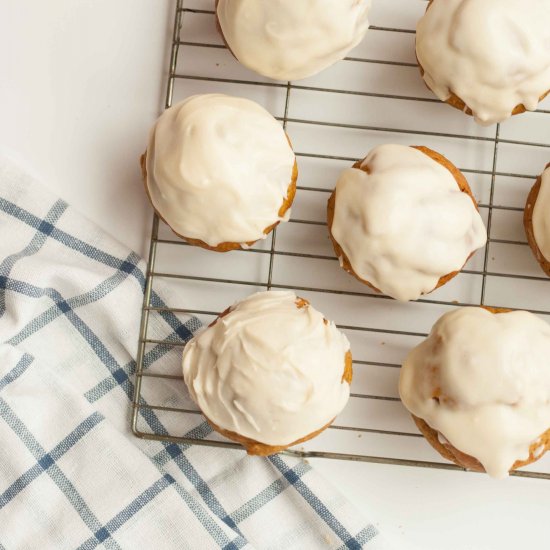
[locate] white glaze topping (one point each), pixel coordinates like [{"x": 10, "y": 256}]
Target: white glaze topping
[
  {"x": 289, "y": 39},
  {"x": 219, "y": 168},
  {"x": 268, "y": 370},
  {"x": 493, "y": 54},
  {"x": 541, "y": 216},
  {"x": 493, "y": 373},
  {"x": 405, "y": 224}
]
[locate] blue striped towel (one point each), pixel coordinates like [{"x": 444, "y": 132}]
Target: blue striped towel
[{"x": 71, "y": 473}]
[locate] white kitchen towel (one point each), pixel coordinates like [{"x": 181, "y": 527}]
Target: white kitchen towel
[{"x": 72, "y": 475}]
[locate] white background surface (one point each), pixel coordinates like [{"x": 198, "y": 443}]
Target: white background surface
[{"x": 81, "y": 83}]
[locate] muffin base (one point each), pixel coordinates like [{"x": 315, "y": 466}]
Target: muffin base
[
  {"x": 455, "y": 101},
  {"x": 462, "y": 185},
  {"x": 448, "y": 451},
  {"x": 226, "y": 246},
  {"x": 528, "y": 224},
  {"x": 257, "y": 448},
  {"x": 451, "y": 453}
]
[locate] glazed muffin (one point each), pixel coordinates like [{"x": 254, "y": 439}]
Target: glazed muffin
[
  {"x": 536, "y": 219},
  {"x": 404, "y": 221},
  {"x": 270, "y": 372},
  {"x": 220, "y": 171},
  {"x": 488, "y": 58},
  {"x": 478, "y": 388},
  {"x": 287, "y": 40}
]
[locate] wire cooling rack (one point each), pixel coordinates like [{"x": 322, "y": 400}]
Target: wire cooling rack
[{"x": 374, "y": 96}]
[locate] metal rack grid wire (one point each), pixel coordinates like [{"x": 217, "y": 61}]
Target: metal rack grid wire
[{"x": 495, "y": 141}]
